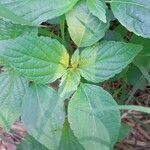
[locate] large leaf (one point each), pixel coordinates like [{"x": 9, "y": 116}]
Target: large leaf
[
  {"x": 94, "y": 125},
  {"x": 33, "y": 12},
  {"x": 84, "y": 28},
  {"x": 134, "y": 15},
  {"x": 29, "y": 143},
  {"x": 38, "y": 58},
  {"x": 98, "y": 9},
  {"x": 43, "y": 115},
  {"x": 9, "y": 30},
  {"x": 12, "y": 90},
  {"x": 103, "y": 60}
]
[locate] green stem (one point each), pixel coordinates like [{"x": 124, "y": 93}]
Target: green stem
[
  {"x": 68, "y": 44},
  {"x": 62, "y": 26},
  {"x": 136, "y": 108}
]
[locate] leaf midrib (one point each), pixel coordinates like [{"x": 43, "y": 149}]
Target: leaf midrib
[{"x": 93, "y": 116}]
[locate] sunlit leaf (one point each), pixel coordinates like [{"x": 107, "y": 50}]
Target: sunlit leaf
[
  {"x": 9, "y": 30},
  {"x": 103, "y": 60},
  {"x": 37, "y": 58},
  {"x": 33, "y": 12},
  {"x": 98, "y": 9},
  {"x": 90, "y": 121},
  {"x": 134, "y": 15},
  {"x": 84, "y": 28}
]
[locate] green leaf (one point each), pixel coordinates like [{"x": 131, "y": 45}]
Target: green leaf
[
  {"x": 122, "y": 31},
  {"x": 143, "y": 64},
  {"x": 112, "y": 36},
  {"x": 69, "y": 83},
  {"x": 29, "y": 143},
  {"x": 124, "y": 131},
  {"x": 98, "y": 9},
  {"x": 142, "y": 61},
  {"x": 134, "y": 15},
  {"x": 84, "y": 28},
  {"x": 75, "y": 59},
  {"x": 94, "y": 125},
  {"x": 9, "y": 30},
  {"x": 13, "y": 88},
  {"x": 43, "y": 115},
  {"x": 33, "y": 12},
  {"x": 144, "y": 42},
  {"x": 10, "y": 16},
  {"x": 68, "y": 140},
  {"x": 37, "y": 58},
  {"x": 136, "y": 78},
  {"x": 103, "y": 60},
  {"x": 71, "y": 79}
]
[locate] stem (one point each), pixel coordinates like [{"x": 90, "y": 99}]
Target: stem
[
  {"x": 68, "y": 45},
  {"x": 108, "y": 2},
  {"x": 62, "y": 26},
  {"x": 135, "y": 108}
]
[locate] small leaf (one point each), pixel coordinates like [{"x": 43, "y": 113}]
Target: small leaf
[
  {"x": 134, "y": 15},
  {"x": 69, "y": 83},
  {"x": 91, "y": 123},
  {"x": 143, "y": 64},
  {"x": 37, "y": 58},
  {"x": 142, "y": 60},
  {"x": 124, "y": 131},
  {"x": 9, "y": 30},
  {"x": 103, "y": 60},
  {"x": 33, "y": 12},
  {"x": 13, "y": 88},
  {"x": 29, "y": 143},
  {"x": 98, "y": 9},
  {"x": 84, "y": 28},
  {"x": 136, "y": 78},
  {"x": 144, "y": 42},
  {"x": 43, "y": 115},
  {"x": 75, "y": 59}
]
